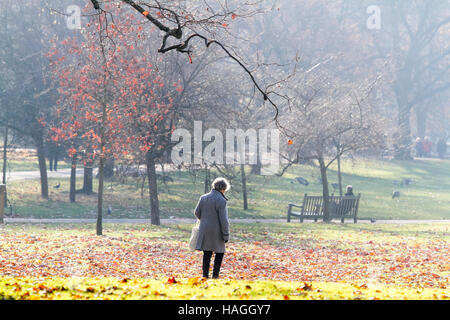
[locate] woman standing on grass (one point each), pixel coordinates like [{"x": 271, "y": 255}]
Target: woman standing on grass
[{"x": 214, "y": 229}]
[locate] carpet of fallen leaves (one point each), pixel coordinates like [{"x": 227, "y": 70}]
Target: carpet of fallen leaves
[{"x": 401, "y": 257}]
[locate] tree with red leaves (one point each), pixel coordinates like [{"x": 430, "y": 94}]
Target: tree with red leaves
[{"x": 112, "y": 100}]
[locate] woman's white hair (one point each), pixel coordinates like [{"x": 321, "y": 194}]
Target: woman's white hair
[{"x": 221, "y": 184}]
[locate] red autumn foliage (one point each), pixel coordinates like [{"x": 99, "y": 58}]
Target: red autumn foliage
[{"x": 116, "y": 75}]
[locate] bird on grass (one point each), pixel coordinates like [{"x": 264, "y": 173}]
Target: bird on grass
[
  {"x": 396, "y": 195},
  {"x": 109, "y": 210},
  {"x": 302, "y": 181},
  {"x": 57, "y": 186},
  {"x": 372, "y": 220}
]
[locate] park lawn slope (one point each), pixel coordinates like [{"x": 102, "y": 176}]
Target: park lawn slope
[{"x": 428, "y": 198}]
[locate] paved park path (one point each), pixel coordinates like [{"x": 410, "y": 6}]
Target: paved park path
[{"x": 29, "y": 175}]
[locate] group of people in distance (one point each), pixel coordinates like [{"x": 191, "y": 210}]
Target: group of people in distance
[{"x": 425, "y": 147}]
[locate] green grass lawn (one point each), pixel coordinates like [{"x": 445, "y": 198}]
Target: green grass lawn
[
  {"x": 263, "y": 261},
  {"x": 428, "y": 198}
]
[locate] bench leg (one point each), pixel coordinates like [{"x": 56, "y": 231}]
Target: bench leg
[
  {"x": 288, "y": 218},
  {"x": 342, "y": 220}
]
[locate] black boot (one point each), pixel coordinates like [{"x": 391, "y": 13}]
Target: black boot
[
  {"x": 206, "y": 262},
  {"x": 217, "y": 263}
]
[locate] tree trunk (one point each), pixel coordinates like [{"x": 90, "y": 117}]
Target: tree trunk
[
  {"x": 402, "y": 88},
  {"x": 256, "y": 168},
  {"x": 143, "y": 186},
  {"x": 42, "y": 166},
  {"x": 421, "y": 120},
  {"x": 207, "y": 179},
  {"x": 5, "y": 155},
  {"x": 101, "y": 172},
  {"x": 153, "y": 190},
  {"x": 339, "y": 174},
  {"x": 325, "y": 190},
  {"x": 244, "y": 187},
  {"x": 87, "y": 179},
  {"x": 101, "y": 167},
  {"x": 109, "y": 168},
  {"x": 73, "y": 180},
  {"x": 403, "y": 140}
]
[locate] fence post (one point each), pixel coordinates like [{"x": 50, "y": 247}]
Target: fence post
[{"x": 2, "y": 201}]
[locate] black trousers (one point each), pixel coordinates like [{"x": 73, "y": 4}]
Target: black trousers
[{"x": 207, "y": 261}]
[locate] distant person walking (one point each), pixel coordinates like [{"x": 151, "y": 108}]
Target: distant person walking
[
  {"x": 214, "y": 229},
  {"x": 427, "y": 147},
  {"x": 419, "y": 148}
]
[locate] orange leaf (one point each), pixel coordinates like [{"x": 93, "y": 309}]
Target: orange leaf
[
  {"x": 195, "y": 281},
  {"x": 306, "y": 287},
  {"x": 172, "y": 280},
  {"x": 145, "y": 13}
]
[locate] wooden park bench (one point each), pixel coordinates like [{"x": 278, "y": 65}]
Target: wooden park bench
[{"x": 340, "y": 207}]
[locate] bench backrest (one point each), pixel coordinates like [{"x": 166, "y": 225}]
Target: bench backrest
[
  {"x": 312, "y": 206},
  {"x": 344, "y": 206},
  {"x": 340, "y": 206}
]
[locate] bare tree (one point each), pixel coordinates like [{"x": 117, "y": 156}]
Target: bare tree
[
  {"x": 185, "y": 21},
  {"x": 28, "y": 96},
  {"x": 413, "y": 37},
  {"x": 327, "y": 120}
]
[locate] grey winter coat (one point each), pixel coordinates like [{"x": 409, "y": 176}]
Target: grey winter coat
[{"x": 214, "y": 226}]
